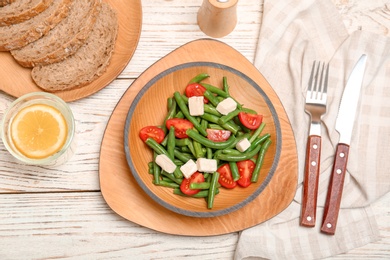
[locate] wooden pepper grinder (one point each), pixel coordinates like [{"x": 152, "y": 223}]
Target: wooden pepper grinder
[{"x": 217, "y": 18}]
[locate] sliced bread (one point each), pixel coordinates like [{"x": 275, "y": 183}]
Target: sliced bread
[
  {"x": 18, "y": 35},
  {"x": 5, "y": 2},
  {"x": 88, "y": 63},
  {"x": 64, "y": 39},
  {"x": 22, "y": 10}
]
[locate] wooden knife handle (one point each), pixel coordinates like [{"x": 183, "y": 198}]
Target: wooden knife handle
[
  {"x": 335, "y": 190},
  {"x": 310, "y": 183}
]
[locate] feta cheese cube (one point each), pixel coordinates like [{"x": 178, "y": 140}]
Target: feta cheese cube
[
  {"x": 206, "y": 165},
  {"x": 226, "y": 106},
  {"x": 243, "y": 145},
  {"x": 195, "y": 105},
  {"x": 165, "y": 163},
  {"x": 188, "y": 168}
]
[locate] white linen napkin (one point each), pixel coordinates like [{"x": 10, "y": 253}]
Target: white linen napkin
[{"x": 293, "y": 34}]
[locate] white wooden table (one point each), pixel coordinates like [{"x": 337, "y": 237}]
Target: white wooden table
[{"x": 60, "y": 213}]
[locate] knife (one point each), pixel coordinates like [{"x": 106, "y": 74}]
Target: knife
[{"x": 344, "y": 125}]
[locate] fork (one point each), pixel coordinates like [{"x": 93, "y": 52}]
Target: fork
[{"x": 315, "y": 106}]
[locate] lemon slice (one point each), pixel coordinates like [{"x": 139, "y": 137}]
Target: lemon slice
[{"x": 39, "y": 131}]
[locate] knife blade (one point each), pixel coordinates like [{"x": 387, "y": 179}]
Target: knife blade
[{"x": 344, "y": 125}]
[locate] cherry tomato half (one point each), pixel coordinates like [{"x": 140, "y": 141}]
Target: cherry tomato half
[
  {"x": 251, "y": 121},
  {"x": 180, "y": 125},
  {"x": 217, "y": 135},
  {"x": 185, "y": 184},
  {"x": 152, "y": 131},
  {"x": 225, "y": 177},
  {"x": 245, "y": 169},
  {"x": 196, "y": 90}
]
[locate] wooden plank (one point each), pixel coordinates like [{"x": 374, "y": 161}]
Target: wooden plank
[{"x": 81, "y": 225}]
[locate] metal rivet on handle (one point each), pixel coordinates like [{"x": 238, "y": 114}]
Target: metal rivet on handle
[
  {"x": 338, "y": 171},
  {"x": 313, "y": 163},
  {"x": 328, "y": 225},
  {"x": 315, "y": 146},
  {"x": 308, "y": 218},
  {"x": 342, "y": 155}
]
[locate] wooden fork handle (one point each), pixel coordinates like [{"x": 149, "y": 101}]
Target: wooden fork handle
[
  {"x": 310, "y": 183},
  {"x": 335, "y": 190}
]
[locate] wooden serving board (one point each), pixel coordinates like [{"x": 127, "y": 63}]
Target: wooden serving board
[
  {"x": 16, "y": 80},
  {"x": 125, "y": 196}
]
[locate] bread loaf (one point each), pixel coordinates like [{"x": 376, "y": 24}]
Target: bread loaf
[
  {"x": 64, "y": 39},
  {"x": 89, "y": 62},
  {"x": 18, "y": 35},
  {"x": 22, "y": 10}
]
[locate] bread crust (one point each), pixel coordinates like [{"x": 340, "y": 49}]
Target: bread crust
[
  {"x": 35, "y": 54},
  {"x": 5, "y": 2},
  {"x": 11, "y": 15},
  {"x": 33, "y": 28}
]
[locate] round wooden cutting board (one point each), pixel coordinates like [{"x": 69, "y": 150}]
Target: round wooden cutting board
[
  {"x": 123, "y": 194},
  {"x": 16, "y": 80}
]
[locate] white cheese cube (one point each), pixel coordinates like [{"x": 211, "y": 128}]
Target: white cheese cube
[
  {"x": 165, "y": 163},
  {"x": 226, "y": 106},
  {"x": 188, "y": 168},
  {"x": 243, "y": 144},
  {"x": 206, "y": 165},
  {"x": 195, "y": 105}
]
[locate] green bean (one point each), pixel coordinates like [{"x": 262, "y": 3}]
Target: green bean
[
  {"x": 208, "y": 143},
  {"x": 259, "y": 140},
  {"x": 215, "y": 90},
  {"x": 185, "y": 149},
  {"x": 213, "y": 100},
  {"x": 209, "y": 153},
  {"x": 171, "y": 114},
  {"x": 260, "y": 160},
  {"x": 231, "y": 151},
  {"x": 200, "y": 186},
  {"x": 234, "y": 170},
  {"x": 163, "y": 178},
  {"x": 170, "y": 103},
  {"x": 191, "y": 148},
  {"x": 225, "y": 85},
  {"x": 156, "y": 170},
  {"x": 171, "y": 142},
  {"x": 238, "y": 157},
  {"x": 204, "y": 123},
  {"x": 200, "y": 194},
  {"x": 198, "y": 78},
  {"x": 159, "y": 149},
  {"x": 184, "y": 157},
  {"x": 212, "y": 190},
  {"x": 182, "y": 142},
  {"x": 226, "y": 89},
  {"x": 177, "y": 173},
  {"x": 228, "y": 126},
  {"x": 198, "y": 149},
  {"x": 224, "y": 119},
  {"x": 257, "y": 132},
  {"x": 186, "y": 113},
  {"x": 172, "y": 177},
  {"x": 166, "y": 184},
  {"x": 210, "y": 109},
  {"x": 179, "y": 115},
  {"x": 215, "y": 126}
]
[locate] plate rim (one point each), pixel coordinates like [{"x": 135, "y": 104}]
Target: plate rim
[{"x": 171, "y": 207}]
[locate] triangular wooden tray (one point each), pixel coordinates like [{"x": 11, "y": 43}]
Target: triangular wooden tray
[{"x": 126, "y": 198}]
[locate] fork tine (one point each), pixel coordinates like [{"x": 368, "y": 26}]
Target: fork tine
[
  {"x": 325, "y": 89},
  {"x": 310, "y": 87}
]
